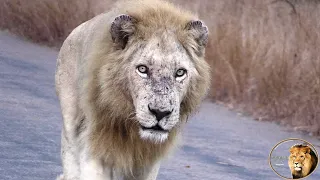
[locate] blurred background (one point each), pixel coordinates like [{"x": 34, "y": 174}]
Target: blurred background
[{"x": 264, "y": 54}]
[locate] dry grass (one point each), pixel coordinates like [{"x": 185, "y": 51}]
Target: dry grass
[
  {"x": 266, "y": 57},
  {"x": 46, "y": 21},
  {"x": 265, "y": 54}
]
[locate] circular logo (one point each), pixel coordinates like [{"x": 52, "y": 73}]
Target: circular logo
[{"x": 293, "y": 158}]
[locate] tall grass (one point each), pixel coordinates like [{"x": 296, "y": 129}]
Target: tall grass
[
  {"x": 265, "y": 57},
  {"x": 46, "y": 21},
  {"x": 265, "y": 54}
]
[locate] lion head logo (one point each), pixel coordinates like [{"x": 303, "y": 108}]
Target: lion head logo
[{"x": 302, "y": 161}]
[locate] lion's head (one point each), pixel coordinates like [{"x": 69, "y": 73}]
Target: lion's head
[
  {"x": 302, "y": 161},
  {"x": 145, "y": 75},
  {"x": 165, "y": 72}
]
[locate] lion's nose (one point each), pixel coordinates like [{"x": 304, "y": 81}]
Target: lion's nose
[
  {"x": 158, "y": 113},
  {"x": 296, "y": 163}
]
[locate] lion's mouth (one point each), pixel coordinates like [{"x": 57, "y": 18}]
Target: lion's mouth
[
  {"x": 297, "y": 168},
  {"x": 154, "y": 128},
  {"x": 155, "y": 133}
]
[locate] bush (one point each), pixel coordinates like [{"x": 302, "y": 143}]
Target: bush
[
  {"x": 265, "y": 57},
  {"x": 46, "y": 21}
]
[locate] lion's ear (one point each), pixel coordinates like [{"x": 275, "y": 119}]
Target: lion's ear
[
  {"x": 199, "y": 31},
  {"x": 121, "y": 29},
  {"x": 291, "y": 150},
  {"x": 307, "y": 149}
]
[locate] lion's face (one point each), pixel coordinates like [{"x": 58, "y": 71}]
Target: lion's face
[
  {"x": 166, "y": 75},
  {"x": 159, "y": 76},
  {"x": 300, "y": 160},
  {"x": 297, "y": 160}
]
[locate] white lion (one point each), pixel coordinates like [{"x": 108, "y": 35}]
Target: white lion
[{"x": 127, "y": 80}]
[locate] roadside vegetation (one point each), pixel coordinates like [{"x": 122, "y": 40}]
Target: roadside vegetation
[
  {"x": 47, "y": 21},
  {"x": 265, "y": 55}
]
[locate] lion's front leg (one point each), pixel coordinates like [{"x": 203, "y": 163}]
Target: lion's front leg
[
  {"x": 148, "y": 173},
  {"x": 93, "y": 169}
]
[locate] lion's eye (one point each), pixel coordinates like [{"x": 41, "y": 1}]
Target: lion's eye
[
  {"x": 301, "y": 156},
  {"x": 142, "y": 70},
  {"x": 181, "y": 73}
]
